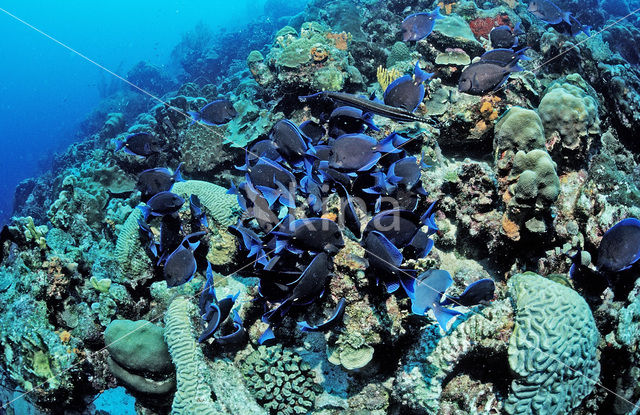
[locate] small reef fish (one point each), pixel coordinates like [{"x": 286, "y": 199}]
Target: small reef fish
[
  {"x": 359, "y": 152},
  {"x": 288, "y": 140},
  {"x": 620, "y": 246},
  {"x": 505, "y": 37},
  {"x": 425, "y": 293},
  {"x": 417, "y": 26},
  {"x": 504, "y": 57},
  {"x": 313, "y": 131},
  {"x": 374, "y": 106},
  {"x": 139, "y": 144},
  {"x": 482, "y": 77},
  {"x": 479, "y": 292},
  {"x": 163, "y": 203},
  {"x": 405, "y": 172},
  {"x": 400, "y": 226},
  {"x": 331, "y": 322},
  {"x": 198, "y": 218},
  {"x": 180, "y": 266},
  {"x": 349, "y": 214},
  {"x": 154, "y": 181},
  {"x": 573, "y": 28},
  {"x": 548, "y": 12},
  {"x": 350, "y": 120},
  {"x": 312, "y": 234},
  {"x": 385, "y": 260},
  {"x": 263, "y": 149},
  {"x": 407, "y": 92},
  {"x": 214, "y": 113}
]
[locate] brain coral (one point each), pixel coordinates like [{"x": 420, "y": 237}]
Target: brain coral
[
  {"x": 217, "y": 204},
  {"x": 518, "y": 129},
  {"x": 129, "y": 253},
  {"x": 553, "y": 347},
  {"x": 570, "y": 117},
  {"x": 280, "y": 380}
]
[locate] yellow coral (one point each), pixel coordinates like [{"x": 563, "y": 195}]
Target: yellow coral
[{"x": 386, "y": 76}]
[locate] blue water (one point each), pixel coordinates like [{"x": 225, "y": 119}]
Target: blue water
[{"x": 46, "y": 91}]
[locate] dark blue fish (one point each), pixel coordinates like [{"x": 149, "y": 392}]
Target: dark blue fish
[
  {"x": 214, "y": 113},
  {"x": 310, "y": 287},
  {"x": 313, "y": 131},
  {"x": 548, "y": 12},
  {"x": 350, "y": 120},
  {"x": 198, "y": 217},
  {"x": 417, "y": 26},
  {"x": 314, "y": 193},
  {"x": 478, "y": 292},
  {"x": 139, "y": 144},
  {"x": 215, "y": 313},
  {"x": 288, "y": 140},
  {"x": 425, "y": 293},
  {"x": 359, "y": 152},
  {"x": 407, "y": 92},
  {"x": 163, "y": 203},
  {"x": 233, "y": 340},
  {"x": 263, "y": 148},
  {"x": 148, "y": 235},
  {"x": 331, "y": 175},
  {"x": 385, "y": 260},
  {"x": 252, "y": 201},
  {"x": 349, "y": 215},
  {"x": 405, "y": 172},
  {"x": 267, "y": 172},
  {"x": 153, "y": 181},
  {"x": 620, "y": 246},
  {"x": 170, "y": 235},
  {"x": 419, "y": 246},
  {"x": 504, "y": 57},
  {"x": 482, "y": 77},
  {"x": 251, "y": 242},
  {"x": 573, "y": 28},
  {"x": 331, "y": 322},
  {"x": 400, "y": 226},
  {"x": 312, "y": 234},
  {"x": 180, "y": 266},
  {"x": 505, "y": 37}
]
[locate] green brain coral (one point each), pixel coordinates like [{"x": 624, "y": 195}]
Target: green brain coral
[
  {"x": 280, "y": 381},
  {"x": 217, "y": 204},
  {"x": 553, "y": 349},
  {"x": 537, "y": 184},
  {"x": 134, "y": 263}
]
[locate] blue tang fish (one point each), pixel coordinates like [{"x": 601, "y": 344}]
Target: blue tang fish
[
  {"x": 288, "y": 139},
  {"x": 417, "y": 26},
  {"x": 214, "y": 113},
  {"x": 504, "y": 57},
  {"x": 478, "y": 292},
  {"x": 360, "y": 152},
  {"x": 548, "y": 12},
  {"x": 425, "y": 293},
  {"x": 505, "y": 37},
  {"x": 407, "y": 92},
  {"x": 163, "y": 203},
  {"x": 139, "y": 144},
  {"x": 180, "y": 266},
  {"x": 480, "y": 77},
  {"x": 620, "y": 246},
  {"x": 350, "y": 120},
  {"x": 331, "y": 322},
  {"x": 573, "y": 28},
  {"x": 313, "y": 131},
  {"x": 153, "y": 181}
]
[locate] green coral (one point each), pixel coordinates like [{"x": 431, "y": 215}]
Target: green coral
[
  {"x": 400, "y": 54},
  {"x": 453, "y": 57},
  {"x": 295, "y": 54},
  {"x": 536, "y": 182},
  {"x": 217, "y": 204},
  {"x": 518, "y": 129},
  {"x": 553, "y": 349},
  {"x": 351, "y": 352},
  {"x": 195, "y": 148},
  {"x": 134, "y": 264},
  {"x": 329, "y": 79},
  {"x": 193, "y": 394},
  {"x": 254, "y": 56},
  {"x": 280, "y": 380}
]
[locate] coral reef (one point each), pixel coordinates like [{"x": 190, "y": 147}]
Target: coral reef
[{"x": 552, "y": 349}]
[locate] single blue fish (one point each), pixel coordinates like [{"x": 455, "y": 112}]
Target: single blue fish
[
  {"x": 505, "y": 37},
  {"x": 419, "y": 246},
  {"x": 331, "y": 322},
  {"x": 407, "y": 92},
  {"x": 267, "y": 172},
  {"x": 148, "y": 235},
  {"x": 288, "y": 140},
  {"x": 262, "y": 149},
  {"x": 170, "y": 235},
  {"x": 350, "y": 120},
  {"x": 425, "y": 293},
  {"x": 313, "y": 131},
  {"x": 504, "y": 57},
  {"x": 385, "y": 260},
  {"x": 314, "y": 193},
  {"x": 573, "y": 28},
  {"x": 406, "y": 172},
  {"x": 154, "y": 181},
  {"x": 417, "y": 26},
  {"x": 233, "y": 340},
  {"x": 139, "y": 144},
  {"x": 620, "y": 246},
  {"x": 548, "y": 12},
  {"x": 400, "y": 226},
  {"x": 482, "y": 77},
  {"x": 180, "y": 266},
  {"x": 214, "y": 113},
  {"x": 161, "y": 204},
  {"x": 198, "y": 217},
  {"x": 251, "y": 242},
  {"x": 359, "y": 152},
  {"x": 478, "y": 292},
  {"x": 311, "y": 234},
  {"x": 215, "y": 314},
  {"x": 349, "y": 215}
]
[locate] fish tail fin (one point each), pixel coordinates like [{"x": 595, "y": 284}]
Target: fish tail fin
[
  {"x": 443, "y": 315},
  {"x": 419, "y": 75},
  {"x": 517, "y": 30},
  {"x": 436, "y": 13},
  {"x": 586, "y": 30},
  {"x": 386, "y": 145},
  {"x": 566, "y": 17},
  {"x": 195, "y": 116},
  {"x": 177, "y": 176},
  {"x": 513, "y": 66},
  {"x": 146, "y": 211},
  {"x": 521, "y": 54},
  {"x": 119, "y": 144},
  {"x": 367, "y": 118},
  {"x": 271, "y": 195}
]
